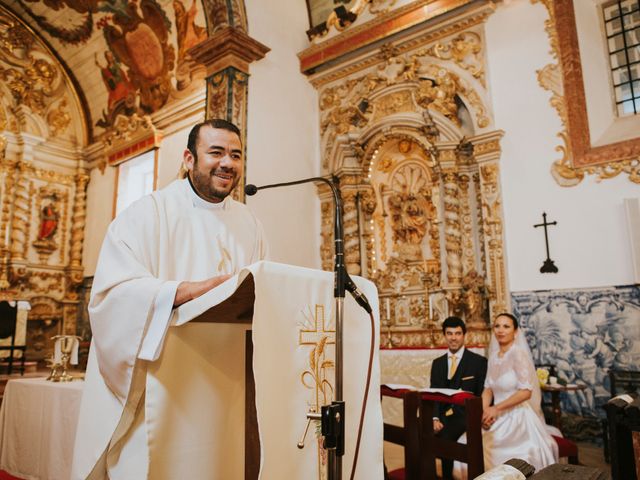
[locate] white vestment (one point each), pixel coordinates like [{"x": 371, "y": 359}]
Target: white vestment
[{"x": 163, "y": 239}]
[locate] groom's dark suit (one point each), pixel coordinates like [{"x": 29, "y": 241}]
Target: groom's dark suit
[{"x": 469, "y": 376}]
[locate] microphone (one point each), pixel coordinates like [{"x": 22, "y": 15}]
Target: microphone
[
  {"x": 343, "y": 281},
  {"x": 357, "y": 294},
  {"x": 250, "y": 189}
]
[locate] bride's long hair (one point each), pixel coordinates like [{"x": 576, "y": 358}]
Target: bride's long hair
[{"x": 520, "y": 342}]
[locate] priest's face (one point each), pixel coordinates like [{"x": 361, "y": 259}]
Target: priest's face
[
  {"x": 454, "y": 337},
  {"x": 216, "y": 167}
]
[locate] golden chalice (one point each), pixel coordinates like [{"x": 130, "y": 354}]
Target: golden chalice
[{"x": 66, "y": 344}]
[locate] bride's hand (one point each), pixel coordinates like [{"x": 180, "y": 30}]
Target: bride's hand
[{"x": 489, "y": 416}]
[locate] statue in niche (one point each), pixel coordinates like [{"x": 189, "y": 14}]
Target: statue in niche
[
  {"x": 49, "y": 220},
  {"x": 473, "y": 306},
  {"x": 48, "y": 223},
  {"x": 410, "y": 214}
]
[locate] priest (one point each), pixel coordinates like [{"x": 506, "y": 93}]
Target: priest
[{"x": 166, "y": 249}]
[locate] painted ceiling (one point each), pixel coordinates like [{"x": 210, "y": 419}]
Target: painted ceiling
[{"x": 126, "y": 56}]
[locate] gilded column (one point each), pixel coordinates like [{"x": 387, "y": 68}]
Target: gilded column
[
  {"x": 77, "y": 225},
  {"x": 8, "y": 169},
  {"x": 326, "y": 226},
  {"x": 487, "y": 153},
  {"x": 452, "y": 235},
  {"x": 367, "y": 207},
  {"x": 20, "y": 220},
  {"x": 351, "y": 232},
  {"x": 468, "y": 252}
]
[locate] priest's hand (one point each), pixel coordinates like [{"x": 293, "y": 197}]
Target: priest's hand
[{"x": 189, "y": 290}]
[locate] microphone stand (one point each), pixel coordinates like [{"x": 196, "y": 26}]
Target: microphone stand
[{"x": 332, "y": 416}]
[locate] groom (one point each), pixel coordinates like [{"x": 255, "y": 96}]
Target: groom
[{"x": 461, "y": 369}]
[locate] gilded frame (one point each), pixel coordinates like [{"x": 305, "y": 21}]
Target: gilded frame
[{"x": 581, "y": 157}]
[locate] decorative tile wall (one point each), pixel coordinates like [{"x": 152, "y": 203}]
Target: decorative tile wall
[{"x": 584, "y": 333}]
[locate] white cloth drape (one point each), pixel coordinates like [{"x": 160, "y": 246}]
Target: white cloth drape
[{"x": 293, "y": 309}]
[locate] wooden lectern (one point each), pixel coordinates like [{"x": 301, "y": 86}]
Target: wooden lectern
[
  {"x": 288, "y": 373},
  {"x": 239, "y": 309}
]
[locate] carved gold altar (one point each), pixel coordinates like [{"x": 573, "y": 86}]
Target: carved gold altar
[
  {"x": 407, "y": 128},
  {"x": 42, "y": 184}
]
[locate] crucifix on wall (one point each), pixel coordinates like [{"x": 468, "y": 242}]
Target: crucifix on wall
[{"x": 548, "y": 266}]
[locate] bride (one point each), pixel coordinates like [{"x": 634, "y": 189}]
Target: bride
[{"x": 514, "y": 425}]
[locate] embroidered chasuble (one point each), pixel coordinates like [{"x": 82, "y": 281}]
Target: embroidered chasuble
[{"x": 163, "y": 239}]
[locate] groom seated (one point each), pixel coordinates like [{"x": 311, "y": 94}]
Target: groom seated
[{"x": 461, "y": 369}]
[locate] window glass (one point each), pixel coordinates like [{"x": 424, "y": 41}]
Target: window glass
[{"x": 135, "y": 179}]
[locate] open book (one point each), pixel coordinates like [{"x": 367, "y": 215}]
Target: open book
[{"x": 444, "y": 391}]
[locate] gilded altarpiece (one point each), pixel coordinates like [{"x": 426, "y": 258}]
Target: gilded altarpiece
[
  {"x": 407, "y": 129},
  {"x": 42, "y": 185}
]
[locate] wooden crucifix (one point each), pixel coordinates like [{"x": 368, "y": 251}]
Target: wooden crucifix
[{"x": 548, "y": 266}]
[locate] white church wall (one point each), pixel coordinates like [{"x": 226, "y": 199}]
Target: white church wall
[
  {"x": 281, "y": 145},
  {"x": 170, "y": 156},
  {"x": 282, "y": 128},
  {"x": 100, "y": 195},
  {"x": 590, "y": 244}
]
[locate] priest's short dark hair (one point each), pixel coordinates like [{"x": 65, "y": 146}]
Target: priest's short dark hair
[{"x": 214, "y": 123}]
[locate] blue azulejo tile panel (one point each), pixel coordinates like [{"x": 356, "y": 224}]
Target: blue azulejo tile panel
[{"x": 584, "y": 333}]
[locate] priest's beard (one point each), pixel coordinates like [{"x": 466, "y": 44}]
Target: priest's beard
[{"x": 202, "y": 183}]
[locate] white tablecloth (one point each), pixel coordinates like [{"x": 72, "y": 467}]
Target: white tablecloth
[
  {"x": 408, "y": 367},
  {"x": 37, "y": 428}
]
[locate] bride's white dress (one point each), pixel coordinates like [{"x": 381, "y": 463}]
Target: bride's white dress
[{"x": 519, "y": 432}]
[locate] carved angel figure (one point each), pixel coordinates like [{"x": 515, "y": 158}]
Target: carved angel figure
[{"x": 410, "y": 216}]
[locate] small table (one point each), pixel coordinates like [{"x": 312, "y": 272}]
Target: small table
[
  {"x": 38, "y": 422},
  {"x": 555, "y": 391}
]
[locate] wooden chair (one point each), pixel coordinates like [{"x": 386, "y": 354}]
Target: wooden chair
[
  {"x": 8, "y": 325},
  {"x": 422, "y": 446},
  {"x": 621, "y": 381},
  {"x": 408, "y": 435}
]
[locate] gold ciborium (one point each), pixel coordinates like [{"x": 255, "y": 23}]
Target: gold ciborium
[{"x": 65, "y": 346}]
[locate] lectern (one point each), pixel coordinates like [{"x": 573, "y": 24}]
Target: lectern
[
  {"x": 288, "y": 371},
  {"x": 239, "y": 309}
]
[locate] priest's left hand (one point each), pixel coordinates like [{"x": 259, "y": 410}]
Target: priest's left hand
[{"x": 189, "y": 290}]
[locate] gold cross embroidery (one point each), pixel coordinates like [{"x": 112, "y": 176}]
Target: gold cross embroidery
[{"x": 316, "y": 332}]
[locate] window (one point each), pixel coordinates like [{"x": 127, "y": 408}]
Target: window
[
  {"x": 136, "y": 178},
  {"x": 622, "y": 26}
]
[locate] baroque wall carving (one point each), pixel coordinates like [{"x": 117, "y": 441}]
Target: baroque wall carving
[
  {"x": 408, "y": 133},
  {"x": 42, "y": 184}
]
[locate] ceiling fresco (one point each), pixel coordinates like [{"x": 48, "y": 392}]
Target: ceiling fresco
[{"x": 127, "y": 56}]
